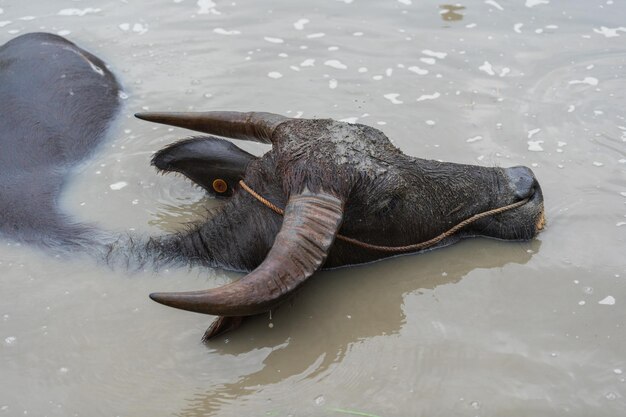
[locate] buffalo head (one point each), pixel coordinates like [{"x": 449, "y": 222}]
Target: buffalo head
[{"x": 331, "y": 177}]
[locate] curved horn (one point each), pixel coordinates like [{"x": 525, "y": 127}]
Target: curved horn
[
  {"x": 310, "y": 224},
  {"x": 255, "y": 126}
]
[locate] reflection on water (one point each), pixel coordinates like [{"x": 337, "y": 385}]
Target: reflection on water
[
  {"x": 336, "y": 310},
  {"x": 482, "y": 328},
  {"x": 450, "y": 12}
]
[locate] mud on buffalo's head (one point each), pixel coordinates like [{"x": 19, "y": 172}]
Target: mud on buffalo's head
[{"x": 332, "y": 175}]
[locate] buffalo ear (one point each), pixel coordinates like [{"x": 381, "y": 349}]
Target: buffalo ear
[{"x": 214, "y": 164}]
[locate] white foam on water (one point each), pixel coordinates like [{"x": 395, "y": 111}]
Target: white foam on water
[
  {"x": 308, "y": 62},
  {"x": 349, "y": 120},
  {"x": 405, "y": 2},
  {"x": 207, "y": 7},
  {"x": 494, "y": 3},
  {"x": 571, "y": 108},
  {"x": 274, "y": 74},
  {"x": 533, "y": 3},
  {"x": 334, "y": 63},
  {"x": 533, "y": 132},
  {"x": 27, "y": 18},
  {"x": 63, "y": 32},
  {"x": 332, "y": 84},
  {"x": 587, "y": 80},
  {"x": 488, "y": 68},
  {"x": 429, "y": 61},
  {"x": 610, "y": 32},
  {"x": 78, "y": 12},
  {"x": 418, "y": 70},
  {"x": 4, "y": 23},
  {"x": 434, "y": 54},
  {"x": 222, "y": 31},
  {"x": 362, "y": 69},
  {"x": 1, "y": 11},
  {"x": 471, "y": 26},
  {"x": 118, "y": 185},
  {"x": 299, "y": 24},
  {"x": 474, "y": 139},
  {"x": 393, "y": 97},
  {"x": 140, "y": 28},
  {"x": 429, "y": 96},
  {"x": 273, "y": 40},
  {"x": 518, "y": 27},
  {"x": 535, "y": 145},
  {"x": 316, "y": 35},
  {"x": 609, "y": 300},
  {"x": 597, "y": 164}
]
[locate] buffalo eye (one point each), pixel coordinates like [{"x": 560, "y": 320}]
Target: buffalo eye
[{"x": 220, "y": 186}]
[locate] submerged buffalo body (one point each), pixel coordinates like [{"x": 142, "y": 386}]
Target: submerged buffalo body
[{"x": 57, "y": 100}]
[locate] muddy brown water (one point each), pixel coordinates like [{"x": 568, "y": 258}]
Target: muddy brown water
[{"x": 483, "y": 328}]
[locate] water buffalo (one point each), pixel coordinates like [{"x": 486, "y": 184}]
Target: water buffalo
[{"x": 332, "y": 179}]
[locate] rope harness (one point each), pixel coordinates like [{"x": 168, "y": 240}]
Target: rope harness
[{"x": 413, "y": 247}]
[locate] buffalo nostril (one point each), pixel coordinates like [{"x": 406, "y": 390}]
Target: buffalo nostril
[{"x": 521, "y": 181}]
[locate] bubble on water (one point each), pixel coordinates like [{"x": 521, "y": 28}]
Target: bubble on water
[
  {"x": 429, "y": 61},
  {"x": 597, "y": 164},
  {"x": 430, "y": 122},
  {"x": 610, "y": 396},
  {"x": 63, "y": 370},
  {"x": 274, "y": 74},
  {"x": 357, "y": 34},
  {"x": 475, "y": 405},
  {"x": 617, "y": 371},
  {"x": 582, "y": 302},
  {"x": 10, "y": 340},
  {"x": 122, "y": 95},
  {"x": 332, "y": 84},
  {"x": 319, "y": 400},
  {"x": 588, "y": 290},
  {"x": 554, "y": 354},
  {"x": 518, "y": 27},
  {"x": 362, "y": 69}
]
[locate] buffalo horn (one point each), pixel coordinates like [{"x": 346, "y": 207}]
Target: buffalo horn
[
  {"x": 255, "y": 126},
  {"x": 310, "y": 224}
]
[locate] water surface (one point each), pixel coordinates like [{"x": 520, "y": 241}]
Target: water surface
[{"x": 483, "y": 328}]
